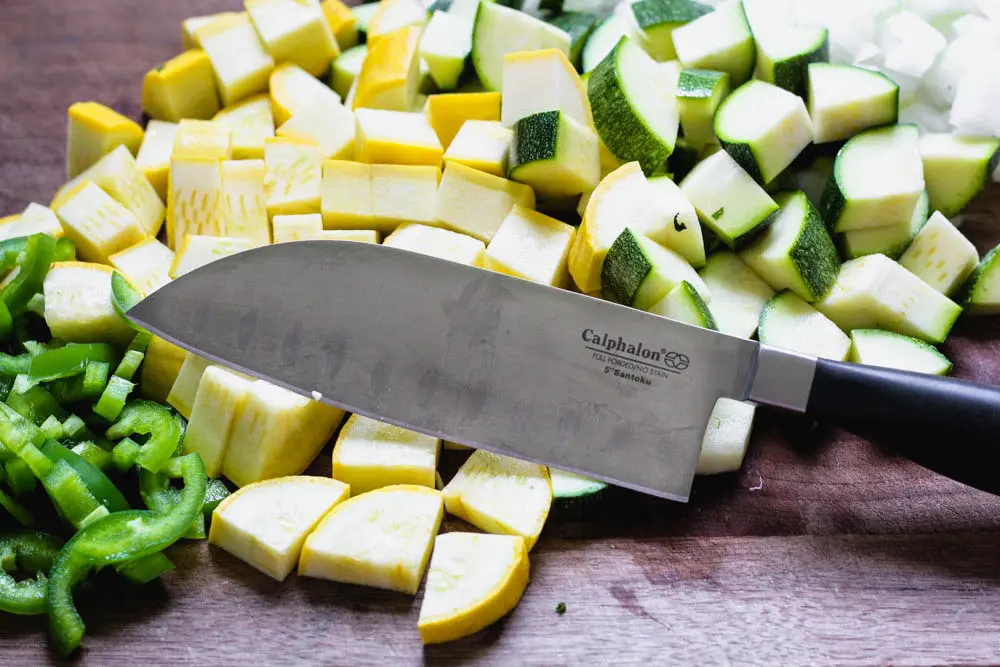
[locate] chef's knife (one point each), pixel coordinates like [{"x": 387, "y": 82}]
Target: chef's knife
[{"x": 542, "y": 374}]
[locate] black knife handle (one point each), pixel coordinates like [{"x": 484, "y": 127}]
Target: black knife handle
[{"x": 947, "y": 425}]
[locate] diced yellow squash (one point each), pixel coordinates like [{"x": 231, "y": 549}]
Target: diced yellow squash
[
  {"x": 94, "y": 131},
  {"x": 8, "y": 219},
  {"x": 476, "y": 203},
  {"x": 203, "y": 139},
  {"x": 146, "y": 265},
  {"x": 393, "y": 15},
  {"x": 543, "y": 80},
  {"x": 185, "y": 387},
  {"x": 382, "y": 539},
  {"x": 197, "y": 251},
  {"x": 437, "y": 242},
  {"x": 473, "y": 581},
  {"x": 159, "y": 369},
  {"x": 342, "y": 22},
  {"x": 500, "y": 494},
  {"x": 220, "y": 398},
  {"x": 97, "y": 224},
  {"x": 532, "y": 246},
  {"x": 182, "y": 87},
  {"x": 242, "y": 206},
  {"x": 294, "y": 176},
  {"x": 448, "y": 113},
  {"x": 190, "y": 25},
  {"x": 293, "y": 89},
  {"x": 78, "y": 306},
  {"x": 154, "y": 154},
  {"x": 359, "y": 235},
  {"x": 390, "y": 73},
  {"x": 265, "y": 524},
  {"x": 193, "y": 205},
  {"x": 251, "y": 122},
  {"x": 35, "y": 219},
  {"x": 327, "y": 125},
  {"x": 347, "y": 195},
  {"x": 278, "y": 433},
  {"x": 481, "y": 145},
  {"x": 302, "y": 227},
  {"x": 118, "y": 174},
  {"x": 403, "y": 193},
  {"x": 370, "y": 454},
  {"x": 242, "y": 65},
  {"x": 395, "y": 137},
  {"x": 294, "y": 31}
]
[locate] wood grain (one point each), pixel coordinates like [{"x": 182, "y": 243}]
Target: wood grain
[{"x": 821, "y": 550}]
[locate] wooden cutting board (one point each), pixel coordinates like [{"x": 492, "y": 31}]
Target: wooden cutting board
[{"x": 821, "y": 550}]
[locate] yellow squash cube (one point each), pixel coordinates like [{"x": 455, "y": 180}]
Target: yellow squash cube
[
  {"x": 476, "y": 203},
  {"x": 448, "y": 113},
  {"x": 293, "y": 89},
  {"x": 146, "y": 265},
  {"x": 329, "y": 126},
  {"x": 358, "y": 235},
  {"x": 370, "y": 454},
  {"x": 119, "y": 174},
  {"x": 94, "y": 131},
  {"x": 154, "y": 154},
  {"x": 190, "y": 25},
  {"x": 242, "y": 66},
  {"x": 97, "y": 224},
  {"x": 242, "y": 207},
  {"x": 193, "y": 201},
  {"x": 35, "y": 219},
  {"x": 277, "y": 433},
  {"x": 532, "y": 246},
  {"x": 390, "y": 73},
  {"x": 160, "y": 368},
  {"x": 197, "y": 251},
  {"x": 437, "y": 242},
  {"x": 78, "y": 305},
  {"x": 395, "y": 137},
  {"x": 343, "y": 23},
  {"x": 203, "y": 138},
  {"x": 220, "y": 398},
  {"x": 381, "y": 539},
  {"x": 182, "y": 87},
  {"x": 251, "y": 122},
  {"x": 482, "y": 145},
  {"x": 185, "y": 387},
  {"x": 346, "y": 201},
  {"x": 393, "y": 15},
  {"x": 304, "y": 227},
  {"x": 294, "y": 176},
  {"x": 403, "y": 193},
  {"x": 295, "y": 31}
]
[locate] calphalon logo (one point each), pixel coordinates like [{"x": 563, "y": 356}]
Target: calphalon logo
[{"x": 633, "y": 361}]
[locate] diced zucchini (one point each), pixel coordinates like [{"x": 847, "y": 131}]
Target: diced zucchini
[
  {"x": 764, "y": 128},
  {"x": 683, "y": 234},
  {"x": 572, "y": 493},
  {"x": 719, "y": 40},
  {"x": 531, "y": 246},
  {"x": 370, "y": 454},
  {"x": 784, "y": 55},
  {"x": 634, "y": 109},
  {"x": 579, "y": 26},
  {"x": 538, "y": 81},
  {"x": 888, "y": 241},
  {"x": 346, "y": 68},
  {"x": 726, "y": 437},
  {"x": 684, "y": 304},
  {"x": 876, "y": 292},
  {"x": 656, "y": 21},
  {"x": 602, "y": 41},
  {"x": 981, "y": 294},
  {"x": 437, "y": 242},
  {"x": 445, "y": 47},
  {"x": 957, "y": 169},
  {"x": 554, "y": 154},
  {"x": 728, "y": 200},
  {"x": 940, "y": 255},
  {"x": 845, "y": 100},
  {"x": 638, "y": 272},
  {"x": 876, "y": 182},
  {"x": 346, "y": 195},
  {"x": 892, "y": 350},
  {"x": 500, "y": 30},
  {"x": 363, "y": 14},
  {"x": 738, "y": 294},
  {"x": 792, "y": 324},
  {"x": 699, "y": 94},
  {"x": 795, "y": 252}
]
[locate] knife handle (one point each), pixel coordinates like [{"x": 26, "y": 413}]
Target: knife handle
[{"x": 947, "y": 425}]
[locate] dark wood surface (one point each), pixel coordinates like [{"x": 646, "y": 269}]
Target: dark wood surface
[{"x": 821, "y": 550}]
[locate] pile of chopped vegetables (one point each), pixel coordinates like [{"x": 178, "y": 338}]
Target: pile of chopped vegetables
[{"x": 785, "y": 170}]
